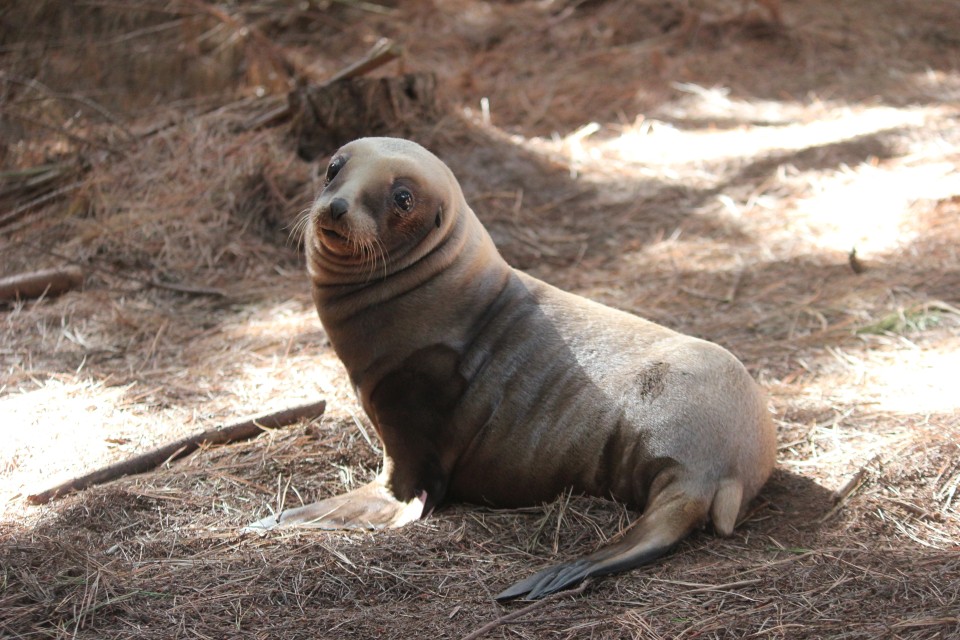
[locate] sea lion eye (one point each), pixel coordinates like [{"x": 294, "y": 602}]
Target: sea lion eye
[
  {"x": 403, "y": 199},
  {"x": 335, "y": 165}
]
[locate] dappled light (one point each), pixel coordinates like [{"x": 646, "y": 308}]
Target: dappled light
[
  {"x": 782, "y": 178},
  {"x": 775, "y": 127},
  {"x": 871, "y": 206},
  {"x": 65, "y": 424},
  {"x": 872, "y": 209},
  {"x": 901, "y": 378},
  {"x": 73, "y": 422}
]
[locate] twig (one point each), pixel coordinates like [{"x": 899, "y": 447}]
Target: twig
[
  {"x": 184, "y": 288},
  {"x": 726, "y": 299},
  {"x": 840, "y": 497},
  {"x": 31, "y": 177},
  {"x": 38, "y": 283},
  {"x": 12, "y": 216},
  {"x": 237, "y": 432},
  {"x": 380, "y": 54},
  {"x": 274, "y": 53},
  {"x": 519, "y": 613},
  {"x": 368, "y": 6},
  {"x": 707, "y": 588},
  {"x": 67, "y": 134},
  {"x": 855, "y": 263},
  {"x": 269, "y": 118},
  {"x": 703, "y": 296},
  {"x": 150, "y": 282},
  {"x": 38, "y": 86}
]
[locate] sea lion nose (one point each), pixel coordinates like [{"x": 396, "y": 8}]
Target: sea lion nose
[{"x": 338, "y": 208}]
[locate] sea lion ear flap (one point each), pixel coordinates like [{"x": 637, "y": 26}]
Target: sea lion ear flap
[{"x": 439, "y": 216}]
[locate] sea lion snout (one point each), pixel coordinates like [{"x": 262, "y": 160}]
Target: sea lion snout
[
  {"x": 331, "y": 228},
  {"x": 342, "y": 226},
  {"x": 338, "y": 208},
  {"x": 336, "y": 212}
]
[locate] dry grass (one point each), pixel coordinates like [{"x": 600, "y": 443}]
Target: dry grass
[{"x": 734, "y": 163}]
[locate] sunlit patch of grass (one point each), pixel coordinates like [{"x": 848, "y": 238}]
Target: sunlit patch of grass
[{"x": 919, "y": 317}]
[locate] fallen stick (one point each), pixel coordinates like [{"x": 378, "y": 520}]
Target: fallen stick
[
  {"x": 240, "y": 431},
  {"x": 50, "y": 282},
  {"x": 150, "y": 282},
  {"x": 840, "y": 497}
]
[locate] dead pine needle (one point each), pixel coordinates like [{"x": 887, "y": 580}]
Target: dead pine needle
[
  {"x": 723, "y": 207},
  {"x": 519, "y": 613}
]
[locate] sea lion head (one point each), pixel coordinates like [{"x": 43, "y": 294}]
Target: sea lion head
[{"x": 385, "y": 203}]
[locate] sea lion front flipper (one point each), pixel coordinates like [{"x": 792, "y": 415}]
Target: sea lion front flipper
[
  {"x": 371, "y": 506},
  {"x": 670, "y": 517}
]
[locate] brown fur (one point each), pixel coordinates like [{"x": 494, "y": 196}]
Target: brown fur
[{"x": 487, "y": 385}]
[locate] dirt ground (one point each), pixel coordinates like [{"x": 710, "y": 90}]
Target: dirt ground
[{"x": 709, "y": 165}]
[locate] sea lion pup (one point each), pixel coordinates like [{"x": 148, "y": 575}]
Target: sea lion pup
[{"x": 489, "y": 386}]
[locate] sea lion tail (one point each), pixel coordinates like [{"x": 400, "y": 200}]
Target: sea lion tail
[{"x": 670, "y": 517}]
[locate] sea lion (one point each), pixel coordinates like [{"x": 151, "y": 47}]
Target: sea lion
[{"x": 489, "y": 386}]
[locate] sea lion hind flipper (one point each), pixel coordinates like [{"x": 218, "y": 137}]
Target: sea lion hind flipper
[
  {"x": 727, "y": 505},
  {"x": 669, "y": 519},
  {"x": 371, "y": 506},
  {"x": 547, "y": 581}
]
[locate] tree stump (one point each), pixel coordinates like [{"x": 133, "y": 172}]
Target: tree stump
[{"x": 328, "y": 116}]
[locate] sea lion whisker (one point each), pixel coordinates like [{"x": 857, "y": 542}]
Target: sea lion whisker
[
  {"x": 369, "y": 257},
  {"x": 382, "y": 251},
  {"x": 298, "y": 228},
  {"x": 355, "y": 242}
]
